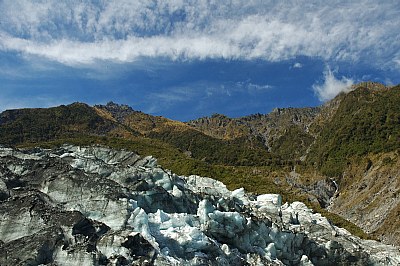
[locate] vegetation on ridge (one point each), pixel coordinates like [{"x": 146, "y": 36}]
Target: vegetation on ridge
[
  {"x": 367, "y": 121},
  {"x": 35, "y": 125}
]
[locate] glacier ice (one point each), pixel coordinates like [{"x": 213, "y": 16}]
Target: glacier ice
[{"x": 99, "y": 206}]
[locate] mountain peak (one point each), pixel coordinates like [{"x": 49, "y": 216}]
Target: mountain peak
[
  {"x": 112, "y": 104},
  {"x": 370, "y": 85},
  {"x": 117, "y": 111}
]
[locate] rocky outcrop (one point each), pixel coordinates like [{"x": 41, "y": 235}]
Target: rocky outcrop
[
  {"x": 320, "y": 191},
  {"x": 370, "y": 196},
  {"x": 97, "y": 206},
  {"x": 114, "y": 111},
  {"x": 271, "y": 129}
]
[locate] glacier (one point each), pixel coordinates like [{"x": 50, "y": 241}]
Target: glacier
[{"x": 98, "y": 206}]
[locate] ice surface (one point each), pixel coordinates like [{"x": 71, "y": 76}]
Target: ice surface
[
  {"x": 21, "y": 225},
  {"x": 179, "y": 220},
  {"x": 275, "y": 199}
]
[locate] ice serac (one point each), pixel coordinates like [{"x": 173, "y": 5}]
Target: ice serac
[{"x": 98, "y": 206}]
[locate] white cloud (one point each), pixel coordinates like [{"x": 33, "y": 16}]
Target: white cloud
[
  {"x": 252, "y": 88},
  {"x": 256, "y": 87},
  {"x": 297, "y": 65},
  {"x": 83, "y": 32},
  {"x": 332, "y": 86}
]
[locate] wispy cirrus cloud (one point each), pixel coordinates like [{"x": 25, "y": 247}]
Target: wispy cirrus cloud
[
  {"x": 83, "y": 32},
  {"x": 252, "y": 87},
  {"x": 162, "y": 100}
]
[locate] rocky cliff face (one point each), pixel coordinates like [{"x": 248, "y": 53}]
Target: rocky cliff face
[
  {"x": 370, "y": 196},
  {"x": 284, "y": 131},
  {"x": 97, "y": 206}
]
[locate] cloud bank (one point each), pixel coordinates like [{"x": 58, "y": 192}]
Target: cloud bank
[
  {"x": 332, "y": 86},
  {"x": 84, "y": 32}
]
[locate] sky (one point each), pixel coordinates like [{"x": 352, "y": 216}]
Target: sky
[{"x": 187, "y": 59}]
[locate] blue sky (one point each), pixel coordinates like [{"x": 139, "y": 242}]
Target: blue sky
[{"x": 187, "y": 59}]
